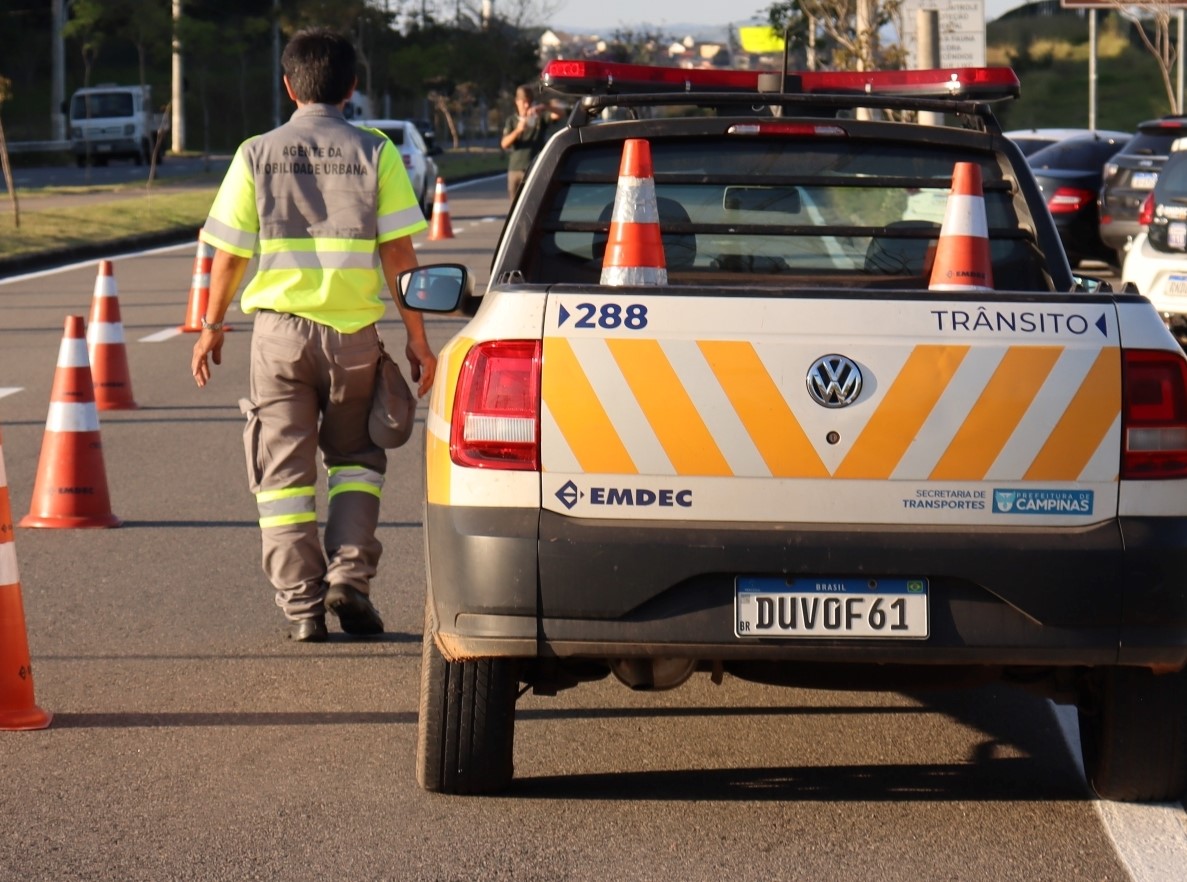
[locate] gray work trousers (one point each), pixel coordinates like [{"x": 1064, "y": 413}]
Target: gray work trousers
[{"x": 311, "y": 388}]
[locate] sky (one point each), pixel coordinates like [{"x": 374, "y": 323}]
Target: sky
[{"x": 606, "y": 16}]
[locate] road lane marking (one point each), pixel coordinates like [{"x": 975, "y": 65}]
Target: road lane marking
[
  {"x": 159, "y": 336},
  {"x": 9, "y": 390},
  {"x": 1149, "y": 838}
]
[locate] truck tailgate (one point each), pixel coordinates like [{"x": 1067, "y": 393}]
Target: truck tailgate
[{"x": 901, "y": 409}]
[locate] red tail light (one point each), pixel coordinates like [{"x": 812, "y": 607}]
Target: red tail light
[
  {"x": 1146, "y": 214},
  {"x": 496, "y": 411},
  {"x": 1067, "y": 200},
  {"x": 1154, "y": 415}
]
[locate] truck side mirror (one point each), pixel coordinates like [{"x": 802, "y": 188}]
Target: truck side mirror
[{"x": 435, "y": 288}]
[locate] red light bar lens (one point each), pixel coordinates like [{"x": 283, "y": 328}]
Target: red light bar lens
[
  {"x": 590, "y": 76},
  {"x": 587, "y": 77},
  {"x": 787, "y": 128}
]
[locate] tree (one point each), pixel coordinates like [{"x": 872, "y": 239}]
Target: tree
[
  {"x": 841, "y": 34},
  {"x": 1158, "y": 14},
  {"x": 5, "y": 94},
  {"x": 86, "y": 26}
]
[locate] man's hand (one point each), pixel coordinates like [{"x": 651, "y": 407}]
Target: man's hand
[
  {"x": 422, "y": 365},
  {"x": 209, "y": 343}
]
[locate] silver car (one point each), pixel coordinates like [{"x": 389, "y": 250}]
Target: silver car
[{"x": 421, "y": 167}]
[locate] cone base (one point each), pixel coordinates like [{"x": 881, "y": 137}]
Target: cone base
[
  {"x": 19, "y": 721},
  {"x": 52, "y": 522}
]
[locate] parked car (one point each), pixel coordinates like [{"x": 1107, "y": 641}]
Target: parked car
[
  {"x": 1130, "y": 176},
  {"x": 1157, "y": 261},
  {"x": 1030, "y": 140},
  {"x": 421, "y": 167},
  {"x": 429, "y": 133},
  {"x": 1069, "y": 174}
]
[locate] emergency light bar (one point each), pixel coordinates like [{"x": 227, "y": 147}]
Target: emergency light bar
[{"x": 608, "y": 77}]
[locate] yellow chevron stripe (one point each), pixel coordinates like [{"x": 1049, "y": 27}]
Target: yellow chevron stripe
[
  {"x": 672, "y": 415},
  {"x": 1084, "y": 424},
  {"x": 997, "y": 413},
  {"x": 760, "y": 405},
  {"x": 903, "y": 410},
  {"x": 450, "y": 360},
  {"x": 438, "y": 464},
  {"x": 579, "y": 414}
]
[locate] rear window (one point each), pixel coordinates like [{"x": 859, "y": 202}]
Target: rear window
[
  {"x": 782, "y": 211},
  {"x": 396, "y": 135},
  {"x": 1077, "y": 153},
  {"x": 1154, "y": 142},
  {"x": 1172, "y": 181}
]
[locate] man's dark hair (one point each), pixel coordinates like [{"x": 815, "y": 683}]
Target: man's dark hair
[{"x": 320, "y": 66}]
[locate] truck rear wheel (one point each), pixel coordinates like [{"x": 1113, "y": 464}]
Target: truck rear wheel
[
  {"x": 466, "y": 725},
  {"x": 1133, "y": 735}
]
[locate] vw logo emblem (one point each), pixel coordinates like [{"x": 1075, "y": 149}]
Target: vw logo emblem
[{"x": 834, "y": 381}]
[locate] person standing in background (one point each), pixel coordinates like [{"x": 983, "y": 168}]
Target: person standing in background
[{"x": 524, "y": 135}]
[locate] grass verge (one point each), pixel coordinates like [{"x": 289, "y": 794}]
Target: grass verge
[{"x": 70, "y": 217}]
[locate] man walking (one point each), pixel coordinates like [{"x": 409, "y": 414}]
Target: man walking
[{"x": 329, "y": 210}]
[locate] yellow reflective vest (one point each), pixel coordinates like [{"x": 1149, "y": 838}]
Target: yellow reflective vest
[{"x": 314, "y": 198}]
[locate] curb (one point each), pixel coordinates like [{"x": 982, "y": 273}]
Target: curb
[{"x": 27, "y": 263}]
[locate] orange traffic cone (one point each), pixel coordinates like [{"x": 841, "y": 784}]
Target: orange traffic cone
[
  {"x": 17, "y": 708},
  {"x": 199, "y": 288},
  {"x": 634, "y": 251},
  {"x": 440, "y": 228},
  {"x": 962, "y": 254},
  {"x": 105, "y": 345},
  {"x": 71, "y": 485}
]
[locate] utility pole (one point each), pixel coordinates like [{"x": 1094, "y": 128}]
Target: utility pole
[
  {"x": 275, "y": 64},
  {"x": 58, "y": 84},
  {"x": 177, "y": 97}
]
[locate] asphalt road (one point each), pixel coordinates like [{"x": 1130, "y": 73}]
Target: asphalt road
[{"x": 191, "y": 742}]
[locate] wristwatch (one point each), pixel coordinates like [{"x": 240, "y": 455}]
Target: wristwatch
[{"x": 211, "y": 326}]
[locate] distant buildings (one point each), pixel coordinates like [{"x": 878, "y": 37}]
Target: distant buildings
[{"x": 745, "y": 48}]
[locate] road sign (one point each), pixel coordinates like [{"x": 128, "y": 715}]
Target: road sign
[{"x": 962, "y": 31}]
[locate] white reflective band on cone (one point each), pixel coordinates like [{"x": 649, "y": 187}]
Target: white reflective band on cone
[
  {"x": 8, "y": 570},
  {"x": 634, "y": 275},
  {"x": 965, "y": 216},
  {"x": 105, "y": 332},
  {"x": 635, "y": 202},
  {"x": 73, "y": 353},
  {"x": 65, "y": 416}
]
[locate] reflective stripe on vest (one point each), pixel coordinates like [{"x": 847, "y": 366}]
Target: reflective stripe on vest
[
  {"x": 354, "y": 479},
  {"x": 281, "y": 508}
]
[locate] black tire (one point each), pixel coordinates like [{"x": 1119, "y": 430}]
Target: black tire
[
  {"x": 1133, "y": 735},
  {"x": 466, "y": 725}
]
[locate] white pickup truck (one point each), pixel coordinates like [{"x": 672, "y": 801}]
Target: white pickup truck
[
  {"x": 804, "y": 455},
  {"x": 111, "y": 121}
]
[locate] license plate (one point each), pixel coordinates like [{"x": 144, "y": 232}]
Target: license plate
[
  {"x": 1176, "y": 235},
  {"x": 830, "y": 608},
  {"x": 1144, "y": 180},
  {"x": 1176, "y": 286},
  {"x": 103, "y": 148}
]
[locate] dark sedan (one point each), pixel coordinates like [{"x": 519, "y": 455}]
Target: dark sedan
[{"x": 1069, "y": 173}]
